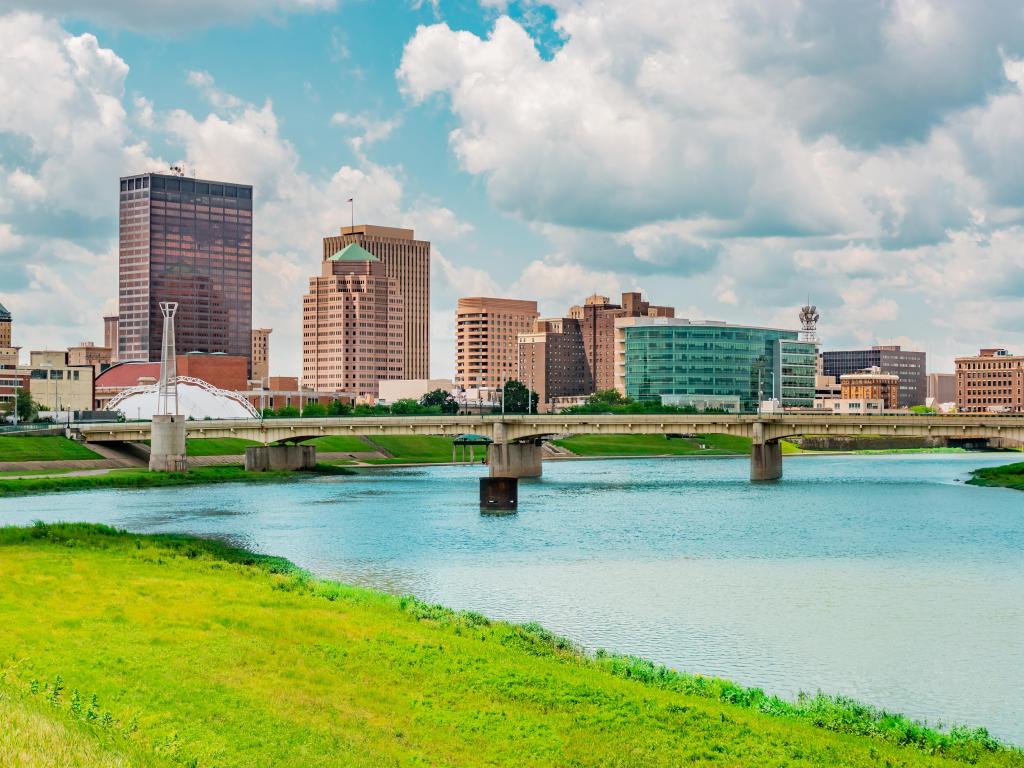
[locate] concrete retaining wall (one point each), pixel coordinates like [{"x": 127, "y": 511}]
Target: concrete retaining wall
[{"x": 267, "y": 458}]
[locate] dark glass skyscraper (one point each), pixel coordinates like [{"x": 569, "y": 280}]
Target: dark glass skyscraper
[{"x": 190, "y": 241}]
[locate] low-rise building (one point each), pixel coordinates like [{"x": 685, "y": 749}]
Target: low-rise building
[
  {"x": 58, "y": 386},
  {"x": 410, "y": 389},
  {"x": 87, "y": 353},
  {"x": 227, "y": 372},
  {"x": 909, "y": 365},
  {"x": 991, "y": 381},
  {"x": 858, "y": 407},
  {"x": 871, "y": 385}
]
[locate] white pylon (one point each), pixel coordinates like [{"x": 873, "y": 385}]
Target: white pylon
[{"x": 168, "y": 388}]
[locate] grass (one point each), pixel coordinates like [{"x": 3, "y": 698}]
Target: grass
[
  {"x": 46, "y": 448},
  {"x": 20, "y": 472},
  {"x": 189, "y": 653},
  {"x": 218, "y": 446},
  {"x": 340, "y": 444},
  {"x": 1006, "y": 476},
  {"x": 654, "y": 445},
  {"x": 416, "y": 449},
  {"x": 143, "y": 478}
]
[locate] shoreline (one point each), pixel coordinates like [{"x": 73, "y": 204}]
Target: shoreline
[{"x": 832, "y": 716}]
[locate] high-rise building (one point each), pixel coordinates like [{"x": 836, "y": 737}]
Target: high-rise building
[
  {"x": 992, "y": 380},
  {"x": 942, "y": 387},
  {"x": 487, "y": 340},
  {"x": 871, "y": 384},
  {"x": 110, "y": 335},
  {"x": 908, "y": 365},
  {"x": 553, "y": 361},
  {"x": 352, "y": 325},
  {"x": 5, "y": 326},
  {"x": 261, "y": 353},
  {"x": 597, "y": 318},
  {"x": 188, "y": 241},
  {"x": 407, "y": 260},
  {"x": 711, "y": 364}
]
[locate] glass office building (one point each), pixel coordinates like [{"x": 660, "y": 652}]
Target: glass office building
[
  {"x": 190, "y": 241},
  {"x": 673, "y": 359}
]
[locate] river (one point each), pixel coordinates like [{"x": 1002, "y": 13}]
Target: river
[{"x": 879, "y": 577}]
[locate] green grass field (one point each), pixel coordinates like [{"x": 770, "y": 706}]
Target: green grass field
[
  {"x": 124, "y": 650},
  {"x": 1006, "y": 476},
  {"x": 45, "y": 448},
  {"x": 340, "y": 444},
  {"x": 654, "y": 445},
  {"x": 143, "y": 478},
  {"x": 414, "y": 449},
  {"x": 218, "y": 446}
]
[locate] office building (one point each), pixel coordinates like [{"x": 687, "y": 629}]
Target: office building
[
  {"x": 871, "y": 385},
  {"x": 58, "y": 386},
  {"x": 597, "y": 316},
  {"x": 87, "y": 353},
  {"x": 712, "y": 364},
  {"x": 487, "y": 340},
  {"x": 991, "y": 381},
  {"x": 407, "y": 261},
  {"x": 941, "y": 388},
  {"x": 353, "y": 326},
  {"x": 908, "y": 365},
  {"x": 260, "y": 353},
  {"x": 11, "y": 379},
  {"x": 553, "y": 361},
  {"x": 110, "y": 335},
  {"x": 188, "y": 241}
]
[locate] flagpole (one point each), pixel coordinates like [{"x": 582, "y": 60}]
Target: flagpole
[{"x": 352, "y": 211}]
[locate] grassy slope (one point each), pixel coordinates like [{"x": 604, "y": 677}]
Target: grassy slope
[
  {"x": 653, "y": 445},
  {"x": 46, "y": 448},
  {"x": 1006, "y": 476},
  {"x": 218, "y": 446},
  {"x": 416, "y": 449},
  {"x": 143, "y": 478},
  {"x": 340, "y": 444},
  {"x": 205, "y": 654}
]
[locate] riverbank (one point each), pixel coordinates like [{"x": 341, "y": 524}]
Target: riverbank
[
  {"x": 143, "y": 478},
  {"x": 163, "y": 650},
  {"x": 1006, "y": 476}
]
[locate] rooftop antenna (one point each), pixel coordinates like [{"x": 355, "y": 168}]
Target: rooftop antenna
[
  {"x": 809, "y": 322},
  {"x": 167, "y": 392}
]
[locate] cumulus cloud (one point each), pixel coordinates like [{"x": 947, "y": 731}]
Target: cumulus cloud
[{"x": 163, "y": 16}]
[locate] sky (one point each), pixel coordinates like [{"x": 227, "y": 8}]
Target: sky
[{"x": 732, "y": 159}]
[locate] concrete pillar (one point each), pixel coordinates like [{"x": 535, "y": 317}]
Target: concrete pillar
[
  {"x": 167, "y": 444},
  {"x": 267, "y": 458},
  {"x": 766, "y": 461},
  {"x": 499, "y": 494},
  {"x": 515, "y": 460}
]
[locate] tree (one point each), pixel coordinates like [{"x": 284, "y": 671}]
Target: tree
[
  {"x": 27, "y": 407},
  {"x": 442, "y": 399},
  {"x": 407, "y": 407},
  {"x": 519, "y": 399},
  {"x": 269, "y": 413},
  {"x": 287, "y": 412},
  {"x": 314, "y": 410},
  {"x": 922, "y": 409},
  {"x": 338, "y": 408},
  {"x": 608, "y": 397}
]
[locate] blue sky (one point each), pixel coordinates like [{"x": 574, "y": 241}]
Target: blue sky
[{"x": 727, "y": 158}]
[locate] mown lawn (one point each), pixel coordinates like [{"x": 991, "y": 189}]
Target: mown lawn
[
  {"x": 416, "y": 449},
  {"x": 218, "y": 446},
  {"x": 340, "y": 444},
  {"x": 143, "y": 478},
  {"x": 189, "y": 653},
  {"x": 43, "y": 448},
  {"x": 654, "y": 445},
  {"x": 1006, "y": 476}
]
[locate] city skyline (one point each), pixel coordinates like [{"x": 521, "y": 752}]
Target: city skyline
[{"x": 897, "y": 208}]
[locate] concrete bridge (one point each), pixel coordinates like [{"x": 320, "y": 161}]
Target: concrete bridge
[{"x": 517, "y": 439}]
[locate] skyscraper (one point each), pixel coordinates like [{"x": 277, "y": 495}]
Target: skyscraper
[
  {"x": 908, "y": 365},
  {"x": 352, "y": 325},
  {"x": 187, "y": 241},
  {"x": 487, "y": 340},
  {"x": 407, "y": 260}
]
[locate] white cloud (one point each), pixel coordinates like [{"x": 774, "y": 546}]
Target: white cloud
[{"x": 370, "y": 130}]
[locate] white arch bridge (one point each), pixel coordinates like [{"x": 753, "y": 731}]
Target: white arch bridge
[{"x": 517, "y": 439}]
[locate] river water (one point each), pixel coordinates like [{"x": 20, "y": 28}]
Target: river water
[{"x": 879, "y": 577}]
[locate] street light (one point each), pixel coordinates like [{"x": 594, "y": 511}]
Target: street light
[{"x": 49, "y": 375}]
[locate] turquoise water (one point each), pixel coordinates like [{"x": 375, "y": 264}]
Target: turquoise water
[{"x": 880, "y": 577}]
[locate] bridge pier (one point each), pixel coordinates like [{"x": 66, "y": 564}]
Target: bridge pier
[
  {"x": 167, "y": 444},
  {"x": 265, "y": 458},
  {"x": 766, "y": 461},
  {"x": 515, "y": 460}
]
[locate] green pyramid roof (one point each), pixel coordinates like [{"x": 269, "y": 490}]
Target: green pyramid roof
[
  {"x": 352, "y": 252},
  {"x": 4, "y": 314}
]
